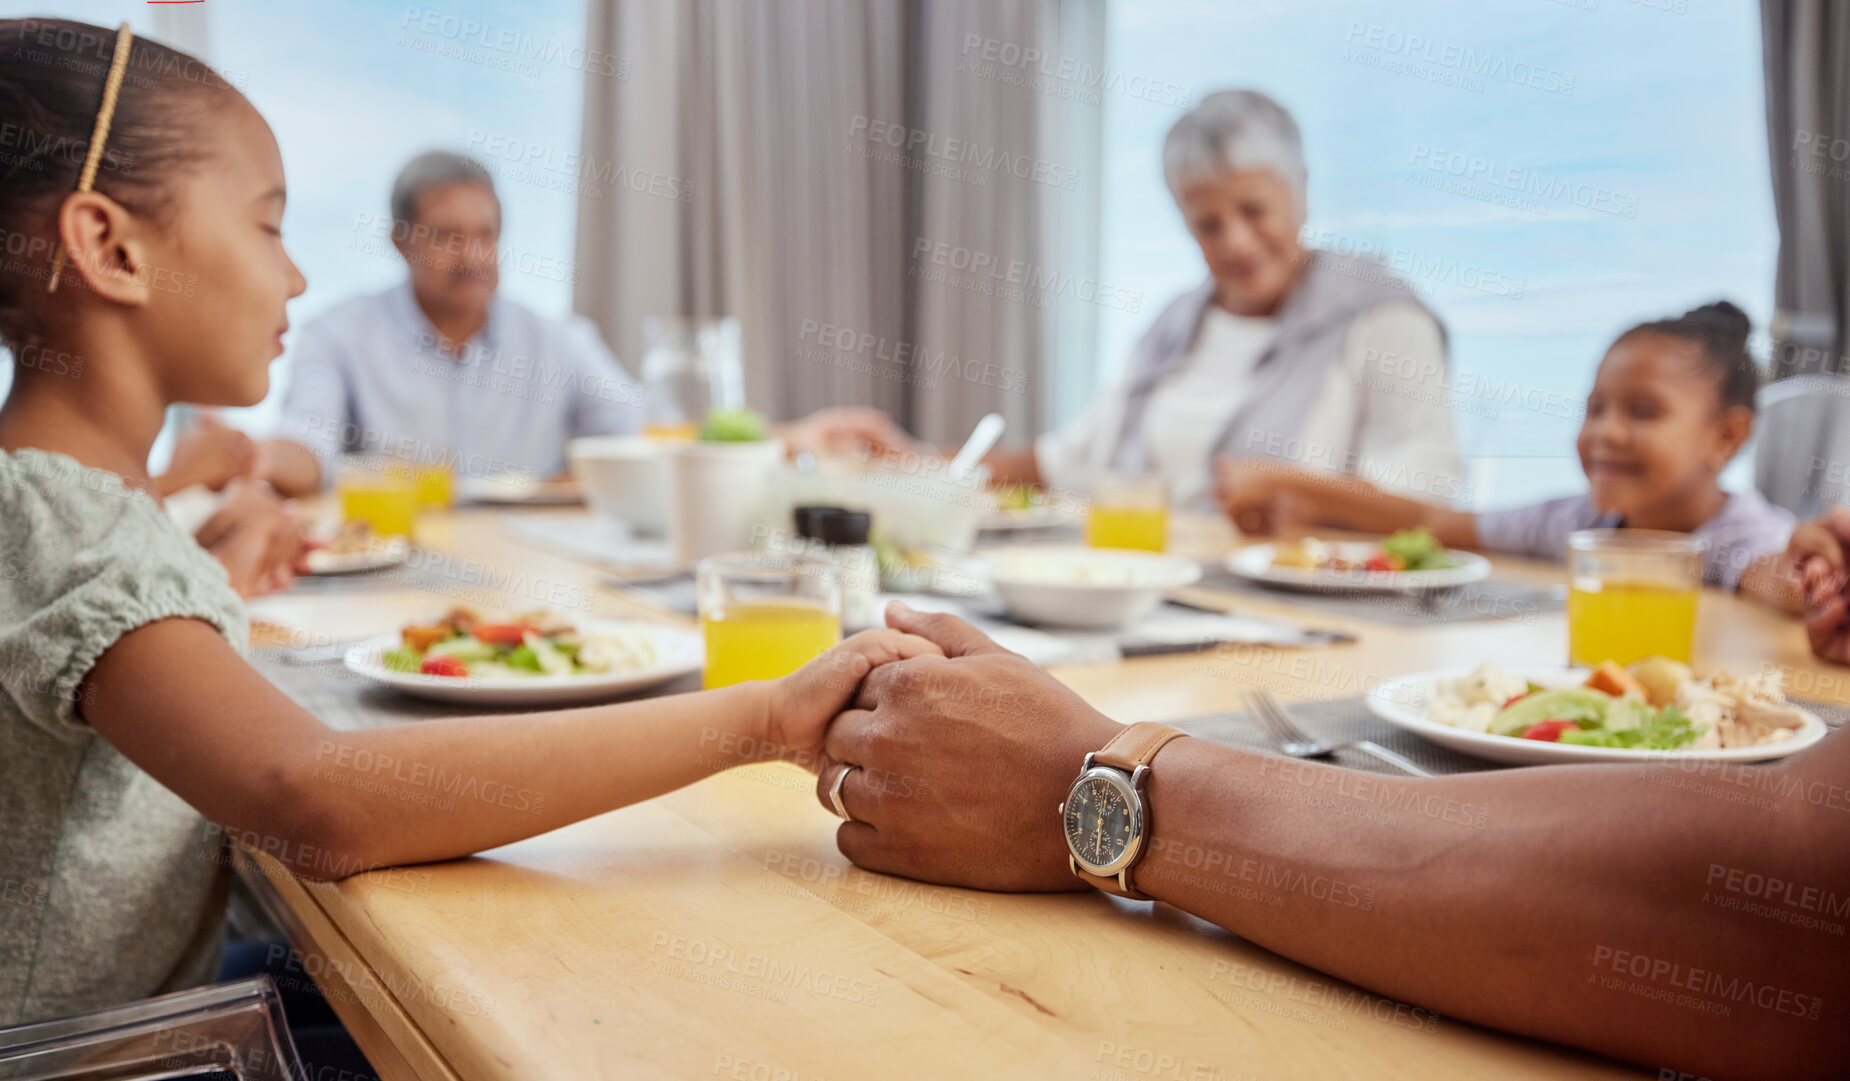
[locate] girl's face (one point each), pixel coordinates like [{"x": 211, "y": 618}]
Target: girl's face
[
  {"x": 218, "y": 278},
  {"x": 1655, "y": 434}
]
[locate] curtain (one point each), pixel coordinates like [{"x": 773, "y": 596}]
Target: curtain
[
  {"x": 1807, "y": 49},
  {"x": 817, "y": 169}
]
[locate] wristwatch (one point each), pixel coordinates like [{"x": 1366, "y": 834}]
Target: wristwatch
[{"x": 1105, "y": 815}]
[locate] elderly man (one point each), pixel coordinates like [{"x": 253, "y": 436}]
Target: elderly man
[
  {"x": 442, "y": 368},
  {"x": 1308, "y": 356},
  {"x": 1582, "y": 881}
]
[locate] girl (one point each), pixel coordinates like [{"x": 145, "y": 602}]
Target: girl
[
  {"x": 142, "y": 233},
  {"x": 1672, "y": 403}
]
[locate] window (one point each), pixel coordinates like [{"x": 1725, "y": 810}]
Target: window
[
  {"x": 354, "y": 88},
  {"x": 1545, "y": 173}
]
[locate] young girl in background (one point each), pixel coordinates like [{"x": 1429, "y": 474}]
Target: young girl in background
[
  {"x": 1671, "y": 405},
  {"x": 129, "y": 722}
]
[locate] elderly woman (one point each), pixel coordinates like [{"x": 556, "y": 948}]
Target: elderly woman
[{"x": 1306, "y": 356}]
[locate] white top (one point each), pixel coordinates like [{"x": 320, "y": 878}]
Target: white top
[
  {"x": 1384, "y": 412},
  {"x": 1186, "y": 410}
]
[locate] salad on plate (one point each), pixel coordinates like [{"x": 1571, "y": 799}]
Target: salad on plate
[
  {"x": 1654, "y": 704},
  {"x": 1405, "y": 550},
  {"x": 539, "y": 644}
]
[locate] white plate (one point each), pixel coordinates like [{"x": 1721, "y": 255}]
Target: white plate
[
  {"x": 1025, "y": 518},
  {"x": 1049, "y": 584},
  {"x": 517, "y": 489},
  {"x": 1254, "y": 563},
  {"x": 389, "y": 552},
  {"x": 679, "y": 652},
  {"x": 1402, "y": 702}
]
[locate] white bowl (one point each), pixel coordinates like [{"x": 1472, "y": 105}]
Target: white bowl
[
  {"x": 1074, "y": 586},
  {"x": 624, "y": 478}
]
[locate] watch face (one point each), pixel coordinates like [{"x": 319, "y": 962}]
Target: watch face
[{"x": 1104, "y": 821}]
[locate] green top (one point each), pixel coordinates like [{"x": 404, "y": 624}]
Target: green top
[{"x": 112, "y": 888}]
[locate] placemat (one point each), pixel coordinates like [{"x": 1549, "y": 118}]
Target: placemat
[
  {"x": 347, "y": 702},
  {"x": 1478, "y": 601},
  {"x": 1336, "y": 720}
]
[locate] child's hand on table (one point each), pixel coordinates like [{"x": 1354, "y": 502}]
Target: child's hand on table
[{"x": 804, "y": 702}]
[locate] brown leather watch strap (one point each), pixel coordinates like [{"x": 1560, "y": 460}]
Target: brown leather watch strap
[{"x": 1135, "y": 746}]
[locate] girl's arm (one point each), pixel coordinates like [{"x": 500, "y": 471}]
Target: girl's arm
[
  {"x": 179, "y": 702},
  {"x": 1261, "y": 496}
]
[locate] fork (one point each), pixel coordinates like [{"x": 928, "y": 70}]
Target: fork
[{"x": 1294, "y": 741}]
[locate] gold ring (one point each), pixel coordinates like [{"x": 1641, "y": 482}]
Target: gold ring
[{"x": 835, "y": 792}]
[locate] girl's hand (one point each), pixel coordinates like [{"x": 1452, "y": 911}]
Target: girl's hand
[
  {"x": 257, "y": 537},
  {"x": 804, "y": 702}
]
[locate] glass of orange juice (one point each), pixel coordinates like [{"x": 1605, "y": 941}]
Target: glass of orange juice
[
  {"x": 379, "y": 492},
  {"x": 431, "y": 479},
  {"x": 1632, "y": 594},
  {"x": 765, "y": 615},
  {"x": 1129, "y": 511}
]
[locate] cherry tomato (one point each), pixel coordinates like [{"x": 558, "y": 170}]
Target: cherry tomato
[
  {"x": 443, "y": 666},
  {"x": 502, "y": 634},
  {"x": 1378, "y": 563},
  {"x": 1517, "y": 698},
  {"x": 1549, "y": 731}
]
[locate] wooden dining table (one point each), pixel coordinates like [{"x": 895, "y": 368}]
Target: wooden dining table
[{"x": 717, "y": 932}]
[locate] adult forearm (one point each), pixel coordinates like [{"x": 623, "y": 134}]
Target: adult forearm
[
  {"x": 1539, "y": 901},
  {"x": 446, "y": 788},
  {"x": 1352, "y": 503},
  {"x": 1013, "y": 465}
]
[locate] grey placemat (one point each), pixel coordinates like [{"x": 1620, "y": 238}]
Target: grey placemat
[
  {"x": 1477, "y": 601},
  {"x": 347, "y": 702},
  {"x": 1338, "y": 720}
]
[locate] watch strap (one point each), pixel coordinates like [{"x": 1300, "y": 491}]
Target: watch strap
[{"x": 1135, "y": 746}]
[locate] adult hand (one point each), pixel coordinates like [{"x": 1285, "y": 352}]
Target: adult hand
[
  {"x": 1255, "y": 493},
  {"x": 963, "y": 761},
  {"x": 1817, "y": 549},
  {"x": 1818, "y": 552},
  {"x": 211, "y": 453},
  {"x": 803, "y": 702},
  {"x": 845, "y": 430},
  {"x": 257, "y": 537}
]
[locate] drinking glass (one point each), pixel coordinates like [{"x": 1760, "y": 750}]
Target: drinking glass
[
  {"x": 432, "y": 480},
  {"x": 765, "y": 615},
  {"x": 1129, "y": 511},
  {"x": 690, "y": 367},
  {"x": 1632, "y": 594},
  {"x": 380, "y": 492}
]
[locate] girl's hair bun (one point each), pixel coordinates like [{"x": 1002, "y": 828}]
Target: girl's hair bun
[
  {"x": 1724, "y": 316},
  {"x": 1721, "y": 329}
]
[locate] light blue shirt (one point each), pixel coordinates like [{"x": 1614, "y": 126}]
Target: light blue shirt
[{"x": 370, "y": 375}]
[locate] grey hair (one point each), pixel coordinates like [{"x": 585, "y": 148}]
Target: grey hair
[
  {"x": 431, "y": 169},
  {"x": 1234, "y": 129}
]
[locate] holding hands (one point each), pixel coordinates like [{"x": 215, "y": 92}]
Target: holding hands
[
  {"x": 955, "y": 763},
  {"x": 803, "y": 703},
  {"x": 1817, "y": 549}
]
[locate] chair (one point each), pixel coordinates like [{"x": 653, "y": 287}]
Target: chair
[
  {"x": 1802, "y": 442},
  {"x": 226, "y": 1032}
]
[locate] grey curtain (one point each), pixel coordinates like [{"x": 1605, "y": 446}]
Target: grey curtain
[
  {"x": 1807, "y": 49},
  {"x": 759, "y": 180}
]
